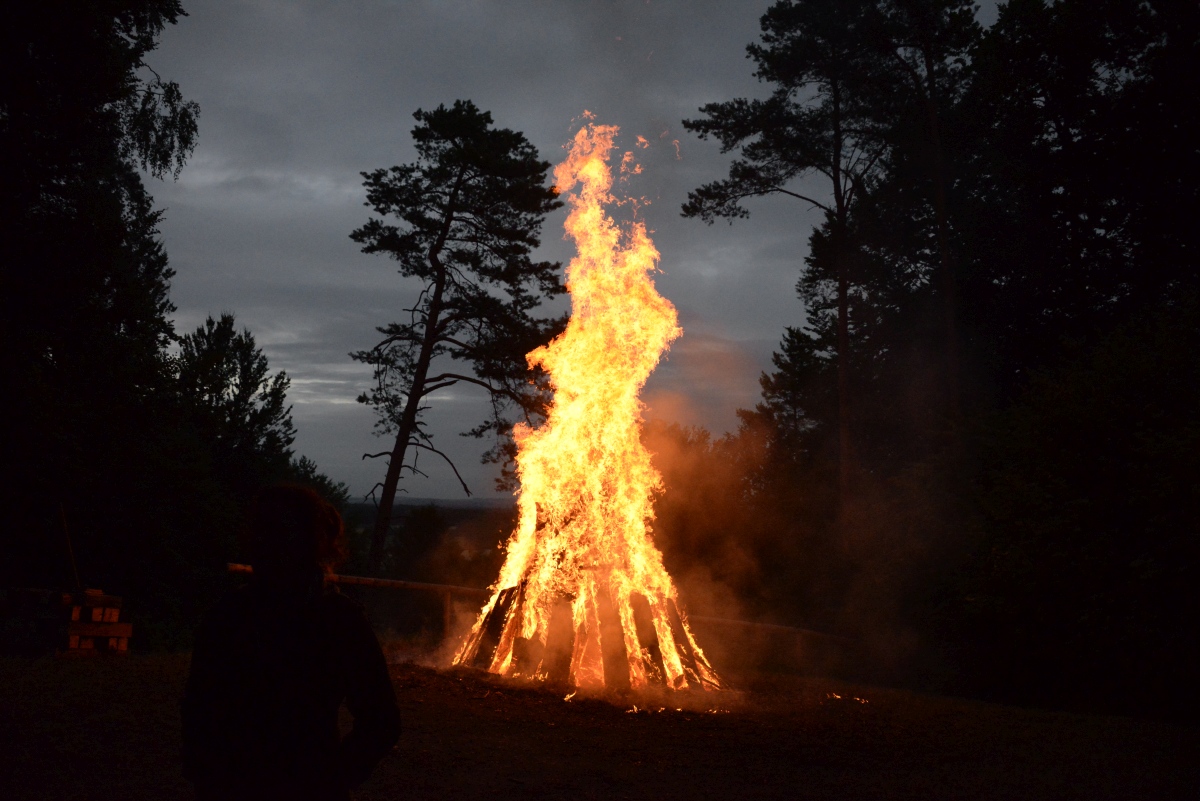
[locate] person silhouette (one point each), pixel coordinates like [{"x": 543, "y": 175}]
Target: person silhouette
[{"x": 274, "y": 661}]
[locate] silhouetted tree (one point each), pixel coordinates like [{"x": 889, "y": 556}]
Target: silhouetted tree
[
  {"x": 470, "y": 210},
  {"x": 304, "y": 471},
  {"x": 78, "y": 118},
  {"x": 813, "y": 122},
  {"x": 84, "y": 312},
  {"x": 241, "y": 409},
  {"x": 927, "y": 44}
]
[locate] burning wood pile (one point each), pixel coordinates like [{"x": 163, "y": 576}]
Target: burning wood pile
[{"x": 583, "y": 597}]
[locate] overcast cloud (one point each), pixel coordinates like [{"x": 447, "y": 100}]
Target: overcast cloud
[{"x": 297, "y": 98}]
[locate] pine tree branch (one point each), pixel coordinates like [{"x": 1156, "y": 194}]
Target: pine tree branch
[
  {"x": 798, "y": 196},
  {"x": 419, "y": 444}
]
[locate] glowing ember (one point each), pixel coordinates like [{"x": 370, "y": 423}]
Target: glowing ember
[{"x": 583, "y": 597}]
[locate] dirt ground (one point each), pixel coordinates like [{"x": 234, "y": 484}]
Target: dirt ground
[{"x": 108, "y": 729}]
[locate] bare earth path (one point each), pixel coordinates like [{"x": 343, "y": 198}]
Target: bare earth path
[{"x": 108, "y": 729}]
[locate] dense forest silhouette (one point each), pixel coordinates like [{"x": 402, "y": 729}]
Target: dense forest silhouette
[
  {"x": 142, "y": 444},
  {"x": 977, "y": 453}
]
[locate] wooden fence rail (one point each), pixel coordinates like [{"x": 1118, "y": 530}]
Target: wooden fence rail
[{"x": 448, "y": 591}]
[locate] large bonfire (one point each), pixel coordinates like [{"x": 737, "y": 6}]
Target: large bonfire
[{"x": 583, "y": 597}]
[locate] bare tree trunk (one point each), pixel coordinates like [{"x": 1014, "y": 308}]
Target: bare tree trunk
[
  {"x": 845, "y": 456},
  {"x": 408, "y": 424},
  {"x": 948, "y": 278},
  {"x": 387, "y": 494},
  {"x": 408, "y": 420}
]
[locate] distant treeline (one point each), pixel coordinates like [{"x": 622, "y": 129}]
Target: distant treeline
[
  {"x": 143, "y": 444},
  {"x": 433, "y": 542},
  {"x": 979, "y": 449}
]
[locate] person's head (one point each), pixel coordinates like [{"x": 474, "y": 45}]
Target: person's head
[{"x": 294, "y": 533}]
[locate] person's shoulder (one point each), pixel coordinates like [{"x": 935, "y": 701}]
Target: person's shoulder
[
  {"x": 346, "y": 618},
  {"x": 229, "y": 610}
]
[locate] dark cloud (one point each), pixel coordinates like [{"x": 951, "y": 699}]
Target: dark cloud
[{"x": 298, "y": 97}]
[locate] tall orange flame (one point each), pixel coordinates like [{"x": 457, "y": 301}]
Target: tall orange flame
[{"x": 583, "y": 596}]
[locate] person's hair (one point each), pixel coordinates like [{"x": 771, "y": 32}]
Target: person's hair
[{"x": 294, "y": 526}]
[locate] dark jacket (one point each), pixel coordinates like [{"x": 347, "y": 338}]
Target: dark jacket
[{"x": 260, "y": 712}]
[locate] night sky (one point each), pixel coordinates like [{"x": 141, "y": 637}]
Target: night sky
[{"x": 297, "y": 98}]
